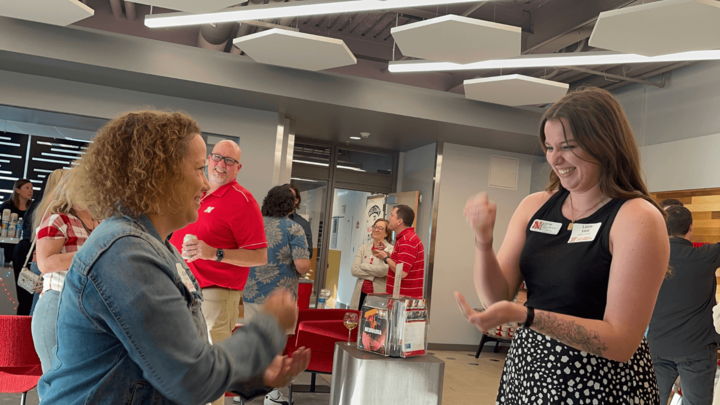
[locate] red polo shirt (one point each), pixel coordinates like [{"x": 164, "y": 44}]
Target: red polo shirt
[
  {"x": 229, "y": 218},
  {"x": 409, "y": 251}
]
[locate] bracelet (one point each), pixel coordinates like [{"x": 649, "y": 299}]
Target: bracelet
[
  {"x": 385, "y": 259},
  {"x": 530, "y": 317}
]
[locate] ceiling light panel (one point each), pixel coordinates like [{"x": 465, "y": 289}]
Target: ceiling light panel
[
  {"x": 292, "y": 9},
  {"x": 552, "y": 60},
  {"x": 456, "y": 39},
  {"x": 515, "y": 90},
  {"x": 660, "y": 28},
  {"x": 296, "y": 50},
  {"x": 55, "y": 12},
  {"x": 192, "y": 6}
]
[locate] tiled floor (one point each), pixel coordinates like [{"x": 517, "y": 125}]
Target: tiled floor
[{"x": 467, "y": 381}]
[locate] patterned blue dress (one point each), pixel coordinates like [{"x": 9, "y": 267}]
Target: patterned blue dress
[{"x": 286, "y": 243}]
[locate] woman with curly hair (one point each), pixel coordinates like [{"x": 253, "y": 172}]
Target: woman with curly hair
[
  {"x": 288, "y": 258},
  {"x": 130, "y": 328}
]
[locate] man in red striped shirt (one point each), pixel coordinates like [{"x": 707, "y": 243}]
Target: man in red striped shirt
[{"x": 408, "y": 250}]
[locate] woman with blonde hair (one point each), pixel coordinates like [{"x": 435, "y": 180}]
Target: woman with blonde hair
[
  {"x": 130, "y": 325},
  {"x": 371, "y": 271},
  {"x": 52, "y": 182},
  {"x": 26, "y": 300},
  {"x": 63, "y": 227}
]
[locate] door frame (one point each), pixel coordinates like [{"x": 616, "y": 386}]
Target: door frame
[{"x": 347, "y": 182}]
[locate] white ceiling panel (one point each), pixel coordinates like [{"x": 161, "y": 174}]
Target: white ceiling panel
[
  {"x": 660, "y": 28},
  {"x": 192, "y": 6},
  {"x": 515, "y": 90},
  {"x": 456, "y": 39},
  {"x": 296, "y": 50},
  {"x": 55, "y": 12}
]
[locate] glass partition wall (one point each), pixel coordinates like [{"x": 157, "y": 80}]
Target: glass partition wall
[{"x": 336, "y": 184}]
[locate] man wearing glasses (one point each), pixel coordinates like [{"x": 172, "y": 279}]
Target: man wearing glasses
[{"x": 230, "y": 239}]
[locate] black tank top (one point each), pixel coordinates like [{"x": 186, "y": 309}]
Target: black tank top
[{"x": 562, "y": 277}]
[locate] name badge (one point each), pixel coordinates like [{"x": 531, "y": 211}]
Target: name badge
[
  {"x": 185, "y": 278},
  {"x": 584, "y": 232},
  {"x": 551, "y": 228}
]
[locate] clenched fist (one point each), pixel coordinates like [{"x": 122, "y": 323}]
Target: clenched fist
[{"x": 480, "y": 212}]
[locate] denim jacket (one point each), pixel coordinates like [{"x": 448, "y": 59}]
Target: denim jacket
[{"x": 130, "y": 329}]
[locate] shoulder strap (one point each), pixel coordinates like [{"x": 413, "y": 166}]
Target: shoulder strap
[{"x": 34, "y": 239}]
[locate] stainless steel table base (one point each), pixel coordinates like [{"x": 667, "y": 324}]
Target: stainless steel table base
[
  {"x": 361, "y": 378},
  {"x": 323, "y": 389}
]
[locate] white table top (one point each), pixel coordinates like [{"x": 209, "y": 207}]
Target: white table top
[{"x": 12, "y": 241}]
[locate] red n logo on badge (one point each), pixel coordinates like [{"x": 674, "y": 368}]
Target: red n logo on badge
[{"x": 536, "y": 225}]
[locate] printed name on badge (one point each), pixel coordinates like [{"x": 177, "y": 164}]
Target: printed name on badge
[
  {"x": 185, "y": 278},
  {"x": 548, "y": 227},
  {"x": 584, "y": 232}
]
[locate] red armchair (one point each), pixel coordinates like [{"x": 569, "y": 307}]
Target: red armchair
[
  {"x": 20, "y": 367},
  {"x": 319, "y": 330}
]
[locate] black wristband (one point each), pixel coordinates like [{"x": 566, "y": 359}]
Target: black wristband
[
  {"x": 530, "y": 317},
  {"x": 385, "y": 259}
]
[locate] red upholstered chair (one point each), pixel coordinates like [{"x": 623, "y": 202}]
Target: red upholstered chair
[
  {"x": 20, "y": 367},
  {"x": 319, "y": 330}
]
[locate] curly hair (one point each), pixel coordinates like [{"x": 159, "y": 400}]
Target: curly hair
[
  {"x": 279, "y": 202},
  {"x": 297, "y": 193},
  {"x": 135, "y": 162}
]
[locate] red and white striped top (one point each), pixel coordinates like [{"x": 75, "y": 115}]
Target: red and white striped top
[
  {"x": 410, "y": 252},
  {"x": 69, "y": 228}
]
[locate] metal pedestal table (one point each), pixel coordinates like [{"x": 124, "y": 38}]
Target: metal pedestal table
[{"x": 361, "y": 378}]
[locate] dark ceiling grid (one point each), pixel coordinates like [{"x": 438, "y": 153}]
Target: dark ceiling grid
[{"x": 548, "y": 26}]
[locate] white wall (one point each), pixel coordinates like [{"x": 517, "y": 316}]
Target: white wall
[
  {"x": 465, "y": 172},
  {"x": 677, "y": 127},
  {"x": 349, "y": 236},
  {"x": 683, "y": 165},
  {"x": 687, "y": 107},
  {"x": 257, "y": 129}
]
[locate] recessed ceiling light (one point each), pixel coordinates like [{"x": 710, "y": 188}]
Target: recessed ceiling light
[
  {"x": 294, "y": 9},
  {"x": 552, "y": 60},
  {"x": 355, "y": 137}
]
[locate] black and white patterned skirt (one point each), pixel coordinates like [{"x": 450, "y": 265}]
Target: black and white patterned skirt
[{"x": 541, "y": 370}]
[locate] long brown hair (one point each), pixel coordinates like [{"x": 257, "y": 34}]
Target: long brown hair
[
  {"x": 16, "y": 196},
  {"x": 601, "y": 129}
]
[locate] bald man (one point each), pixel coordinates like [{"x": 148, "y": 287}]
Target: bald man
[{"x": 230, "y": 239}]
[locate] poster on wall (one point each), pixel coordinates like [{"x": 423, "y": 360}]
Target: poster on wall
[{"x": 374, "y": 210}]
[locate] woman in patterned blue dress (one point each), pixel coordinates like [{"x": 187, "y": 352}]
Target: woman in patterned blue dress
[{"x": 288, "y": 259}]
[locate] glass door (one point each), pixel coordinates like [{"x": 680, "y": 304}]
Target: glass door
[
  {"x": 342, "y": 179},
  {"x": 353, "y": 214},
  {"x": 313, "y": 200}
]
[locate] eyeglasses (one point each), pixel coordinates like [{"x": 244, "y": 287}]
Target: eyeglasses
[
  {"x": 228, "y": 161},
  {"x": 377, "y": 228}
]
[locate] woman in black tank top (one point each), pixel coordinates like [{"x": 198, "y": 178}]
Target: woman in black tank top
[{"x": 592, "y": 250}]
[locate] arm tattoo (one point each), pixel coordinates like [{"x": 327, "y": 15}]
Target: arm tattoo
[{"x": 570, "y": 333}]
